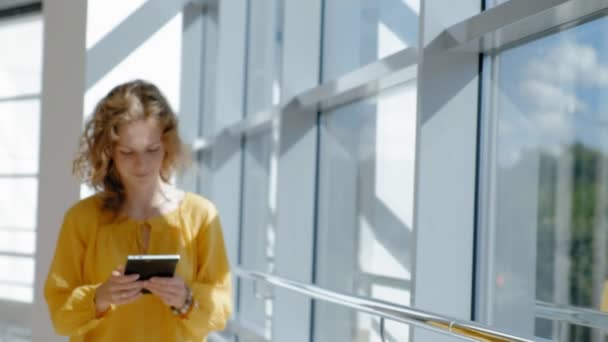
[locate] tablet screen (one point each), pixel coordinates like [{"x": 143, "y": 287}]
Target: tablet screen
[{"x": 150, "y": 265}]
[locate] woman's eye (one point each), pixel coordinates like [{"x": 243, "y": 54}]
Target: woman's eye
[
  {"x": 126, "y": 153},
  {"x": 152, "y": 150}
]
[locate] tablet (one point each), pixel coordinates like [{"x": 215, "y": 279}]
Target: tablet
[{"x": 151, "y": 265}]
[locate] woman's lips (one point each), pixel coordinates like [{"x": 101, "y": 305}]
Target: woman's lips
[{"x": 144, "y": 175}]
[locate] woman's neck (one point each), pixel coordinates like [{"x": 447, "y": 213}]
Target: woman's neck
[{"x": 142, "y": 203}]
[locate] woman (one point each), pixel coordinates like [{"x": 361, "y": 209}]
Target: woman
[{"x": 128, "y": 152}]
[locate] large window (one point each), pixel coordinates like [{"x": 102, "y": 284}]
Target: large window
[
  {"x": 264, "y": 49},
  {"x": 20, "y": 82},
  {"x": 365, "y": 235},
  {"x": 544, "y": 190},
  {"x": 366, "y": 165},
  {"x": 359, "y": 32},
  {"x": 257, "y": 237}
]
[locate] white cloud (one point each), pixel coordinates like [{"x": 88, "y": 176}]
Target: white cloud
[
  {"x": 548, "y": 96},
  {"x": 548, "y": 104},
  {"x": 570, "y": 63}
]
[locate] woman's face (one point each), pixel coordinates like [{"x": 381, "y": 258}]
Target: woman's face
[{"x": 138, "y": 154}]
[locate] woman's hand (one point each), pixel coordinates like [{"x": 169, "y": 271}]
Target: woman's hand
[
  {"x": 172, "y": 291},
  {"x": 119, "y": 289}
]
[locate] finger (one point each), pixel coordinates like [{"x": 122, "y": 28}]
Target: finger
[
  {"x": 160, "y": 280},
  {"x": 126, "y": 286},
  {"x": 118, "y": 271},
  {"x": 174, "y": 290},
  {"x": 179, "y": 280},
  {"x": 169, "y": 297},
  {"x": 119, "y": 295},
  {"x": 165, "y": 297},
  {"x": 123, "y": 279},
  {"x": 125, "y": 297},
  {"x": 132, "y": 298},
  {"x": 163, "y": 292},
  {"x": 175, "y": 281}
]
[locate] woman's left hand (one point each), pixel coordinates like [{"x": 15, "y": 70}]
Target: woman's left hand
[{"x": 172, "y": 291}]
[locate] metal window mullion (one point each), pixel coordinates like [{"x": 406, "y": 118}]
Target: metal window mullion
[
  {"x": 18, "y": 230},
  {"x": 20, "y": 8},
  {"x": 360, "y": 84},
  {"x": 16, "y": 255},
  {"x": 18, "y": 175},
  {"x": 24, "y": 97}
]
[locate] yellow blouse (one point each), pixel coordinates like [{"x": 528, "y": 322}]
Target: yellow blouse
[{"x": 92, "y": 244}]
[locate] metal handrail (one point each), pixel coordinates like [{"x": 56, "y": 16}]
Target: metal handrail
[
  {"x": 466, "y": 330},
  {"x": 572, "y": 314}
]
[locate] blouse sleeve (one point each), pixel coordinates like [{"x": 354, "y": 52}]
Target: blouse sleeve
[
  {"x": 71, "y": 303},
  {"x": 212, "y": 289}
]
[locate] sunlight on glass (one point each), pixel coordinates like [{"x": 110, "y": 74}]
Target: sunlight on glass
[
  {"x": 365, "y": 196},
  {"x": 157, "y": 60},
  {"x": 20, "y": 65},
  {"x": 388, "y": 42},
  {"x": 101, "y": 18},
  {"x": 17, "y": 293},
  {"x": 16, "y": 270},
  {"x": 18, "y": 205},
  {"x": 389, "y": 294},
  {"x": 19, "y": 137},
  {"x": 413, "y": 5},
  {"x": 376, "y": 259},
  {"x": 15, "y": 241},
  {"x": 395, "y": 152}
]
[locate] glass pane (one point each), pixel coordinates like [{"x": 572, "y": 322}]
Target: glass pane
[
  {"x": 257, "y": 246},
  {"x": 359, "y": 32},
  {"x": 19, "y": 293},
  {"x": 544, "y": 199},
  {"x": 14, "y": 333},
  {"x": 102, "y": 19},
  {"x": 16, "y": 241},
  {"x": 210, "y": 68},
  {"x": 366, "y": 186},
  {"x": 19, "y": 137},
  {"x": 21, "y": 65},
  {"x": 16, "y": 278},
  {"x": 156, "y": 59},
  {"x": 16, "y": 271},
  {"x": 18, "y": 204},
  {"x": 265, "y": 49}
]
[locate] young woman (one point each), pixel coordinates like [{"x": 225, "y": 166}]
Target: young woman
[{"x": 129, "y": 150}]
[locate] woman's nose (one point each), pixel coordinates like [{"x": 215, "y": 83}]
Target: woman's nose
[{"x": 140, "y": 161}]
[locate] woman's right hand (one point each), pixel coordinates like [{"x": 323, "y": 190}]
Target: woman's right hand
[{"x": 119, "y": 289}]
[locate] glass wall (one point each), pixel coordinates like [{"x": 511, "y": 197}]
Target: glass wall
[
  {"x": 359, "y": 32},
  {"x": 257, "y": 238},
  {"x": 366, "y": 165},
  {"x": 20, "y": 82},
  {"x": 544, "y": 194},
  {"x": 365, "y": 234},
  {"x": 263, "y": 60},
  {"x": 20, "y": 70}
]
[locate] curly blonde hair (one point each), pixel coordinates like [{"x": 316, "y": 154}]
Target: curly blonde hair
[{"x": 126, "y": 103}]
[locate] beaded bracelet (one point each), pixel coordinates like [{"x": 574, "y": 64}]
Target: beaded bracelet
[{"x": 187, "y": 305}]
